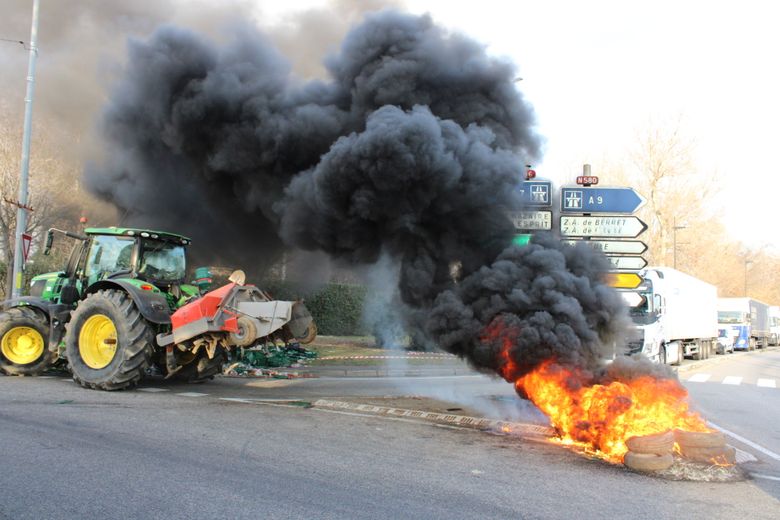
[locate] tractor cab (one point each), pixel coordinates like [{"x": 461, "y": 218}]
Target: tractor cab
[
  {"x": 157, "y": 258},
  {"x": 112, "y": 253}
]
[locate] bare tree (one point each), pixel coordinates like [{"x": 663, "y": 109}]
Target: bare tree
[{"x": 53, "y": 186}]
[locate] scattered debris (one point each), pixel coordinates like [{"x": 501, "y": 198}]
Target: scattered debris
[{"x": 261, "y": 361}]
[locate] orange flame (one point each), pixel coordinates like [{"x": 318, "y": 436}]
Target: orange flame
[
  {"x": 601, "y": 417},
  {"x": 598, "y": 418}
]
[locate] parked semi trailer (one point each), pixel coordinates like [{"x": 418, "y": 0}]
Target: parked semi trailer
[
  {"x": 676, "y": 317},
  {"x": 747, "y": 320}
]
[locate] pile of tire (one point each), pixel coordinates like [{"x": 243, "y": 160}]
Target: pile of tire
[
  {"x": 705, "y": 447},
  {"x": 650, "y": 452}
]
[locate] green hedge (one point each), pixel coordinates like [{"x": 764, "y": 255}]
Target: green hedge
[{"x": 337, "y": 308}]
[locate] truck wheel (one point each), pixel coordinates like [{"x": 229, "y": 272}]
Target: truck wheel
[
  {"x": 752, "y": 344},
  {"x": 202, "y": 369},
  {"x": 108, "y": 343},
  {"x": 24, "y": 342}
]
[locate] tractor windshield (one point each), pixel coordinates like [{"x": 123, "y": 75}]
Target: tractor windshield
[{"x": 162, "y": 261}]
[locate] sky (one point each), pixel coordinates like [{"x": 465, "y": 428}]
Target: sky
[{"x": 597, "y": 72}]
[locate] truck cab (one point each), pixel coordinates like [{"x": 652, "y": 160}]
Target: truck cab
[{"x": 674, "y": 315}]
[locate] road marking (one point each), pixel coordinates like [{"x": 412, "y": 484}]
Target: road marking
[
  {"x": 153, "y": 390},
  {"x": 236, "y": 400},
  {"x": 191, "y": 394},
  {"x": 743, "y": 440},
  {"x": 699, "y": 378},
  {"x": 732, "y": 380},
  {"x": 765, "y": 477},
  {"x": 767, "y": 383}
]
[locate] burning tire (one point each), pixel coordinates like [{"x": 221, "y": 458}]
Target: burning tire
[
  {"x": 647, "y": 461},
  {"x": 716, "y": 455},
  {"x": 24, "y": 342},
  {"x": 657, "y": 444},
  {"x": 699, "y": 439},
  {"x": 108, "y": 343}
]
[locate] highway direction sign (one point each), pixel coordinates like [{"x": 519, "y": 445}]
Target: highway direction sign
[
  {"x": 600, "y": 200},
  {"x": 613, "y": 247},
  {"x": 627, "y": 263},
  {"x": 536, "y": 194},
  {"x": 587, "y": 226},
  {"x": 536, "y": 220},
  {"x": 623, "y": 280}
]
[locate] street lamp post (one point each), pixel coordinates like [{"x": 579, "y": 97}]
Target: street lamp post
[
  {"x": 747, "y": 262},
  {"x": 675, "y": 227}
]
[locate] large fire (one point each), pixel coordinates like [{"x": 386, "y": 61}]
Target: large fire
[
  {"x": 599, "y": 417},
  {"x": 603, "y": 416}
]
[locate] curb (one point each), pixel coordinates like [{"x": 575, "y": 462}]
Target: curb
[
  {"x": 479, "y": 423},
  {"x": 720, "y": 359}
]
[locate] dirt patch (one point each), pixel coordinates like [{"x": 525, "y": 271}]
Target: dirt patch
[{"x": 424, "y": 404}]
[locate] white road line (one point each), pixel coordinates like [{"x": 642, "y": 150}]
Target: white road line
[
  {"x": 236, "y": 400},
  {"x": 150, "y": 389},
  {"x": 767, "y": 383},
  {"x": 699, "y": 378},
  {"x": 191, "y": 394},
  {"x": 732, "y": 380},
  {"x": 743, "y": 440},
  {"x": 765, "y": 477}
]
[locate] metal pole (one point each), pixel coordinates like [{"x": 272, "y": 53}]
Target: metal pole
[
  {"x": 674, "y": 245},
  {"x": 746, "y": 264},
  {"x": 21, "y": 215}
]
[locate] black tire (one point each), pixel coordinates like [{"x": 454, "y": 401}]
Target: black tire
[
  {"x": 12, "y": 362},
  {"x": 202, "y": 369},
  {"x": 134, "y": 337}
]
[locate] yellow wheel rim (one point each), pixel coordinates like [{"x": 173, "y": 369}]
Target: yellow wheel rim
[
  {"x": 97, "y": 341},
  {"x": 22, "y": 345}
]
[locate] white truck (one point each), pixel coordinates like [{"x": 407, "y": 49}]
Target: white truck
[{"x": 675, "y": 315}]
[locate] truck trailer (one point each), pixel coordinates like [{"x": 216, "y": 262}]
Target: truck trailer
[
  {"x": 747, "y": 320},
  {"x": 676, "y": 316}
]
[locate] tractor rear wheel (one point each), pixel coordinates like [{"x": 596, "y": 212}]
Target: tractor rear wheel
[
  {"x": 108, "y": 343},
  {"x": 24, "y": 342}
]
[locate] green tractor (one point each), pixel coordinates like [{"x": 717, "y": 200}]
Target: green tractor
[{"x": 121, "y": 308}]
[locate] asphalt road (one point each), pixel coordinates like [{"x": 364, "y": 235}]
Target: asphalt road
[
  {"x": 740, "y": 394},
  {"x": 183, "y": 451}
]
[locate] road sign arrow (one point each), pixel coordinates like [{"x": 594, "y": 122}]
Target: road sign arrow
[
  {"x": 613, "y": 247},
  {"x": 600, "y": 200},
  {"x": 633, "y": 299},
  {"x": 627, "y": 263},
  {"x": 623, "y": 280},
  {"x": 611, "y": 226}
]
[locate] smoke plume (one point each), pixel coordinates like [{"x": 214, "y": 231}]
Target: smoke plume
[{"x": 410, "y": 149}]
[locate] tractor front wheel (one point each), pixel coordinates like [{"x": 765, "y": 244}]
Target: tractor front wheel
[
  {"x": 24, "y": 342},
  {"x": 108, "y": 343}
]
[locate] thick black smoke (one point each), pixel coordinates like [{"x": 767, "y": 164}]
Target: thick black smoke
[
  {"x": 411, "y": 150},
  {"x": 534, "y": 303}
]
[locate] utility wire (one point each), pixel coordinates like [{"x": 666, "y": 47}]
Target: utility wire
[{"x": 20, "y": 42}]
